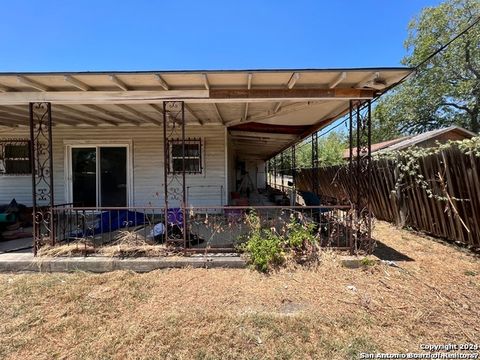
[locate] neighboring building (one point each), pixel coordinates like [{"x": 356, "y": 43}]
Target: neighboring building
[{"x": 424, "y": 140}]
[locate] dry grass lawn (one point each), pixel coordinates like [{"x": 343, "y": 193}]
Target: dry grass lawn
[{"x": 325, "y": 313}]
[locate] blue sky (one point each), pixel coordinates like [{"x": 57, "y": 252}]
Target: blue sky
[{"x": 78, "y": 35}]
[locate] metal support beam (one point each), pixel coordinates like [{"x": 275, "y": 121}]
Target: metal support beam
[
  {"x": 41, "y": 163},
  {"x": 369, "y": 176},
  {"x": 315, "y": 162},
  {"x": 282, "y": 170},
  {"x": 266, "y": 174},
  {"x": 275, "y": 170},
  {"x": 294, "y": 162},
  {"x": 350, "y": 136},
  {"x": 360, "y": 167},
  {"x": 270, "y": 172},
  {"x": 293, "y": 165}
]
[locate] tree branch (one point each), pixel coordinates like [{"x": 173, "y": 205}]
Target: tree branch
[
  {"x": 467, "y": 59},
  {"x": 456, "y": 106}
]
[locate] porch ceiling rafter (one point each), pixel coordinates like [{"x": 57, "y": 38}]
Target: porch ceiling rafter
[
  {"x": 249, "y": 86},
  {"x": 193, "y": 115},
  {"x": 119, "y": 83},
  {"x": 338, "y": 80},
  {"x": 81, "y": 116},
  {"x": 77, "y": 83},
  {"x": 253, "y": 140},
  {"x": 82, "y": 86},
  {"x": 21, "y": 113},
  {"x": 258, "y": 134},
  {"x": 164, "y": 85},
  {"x": 33, "y": 84},
  {"x": 324, "y": 121},
  {"x": 206, "y": 83},
  {"x": 157, "y": 108},
  {"x": 70, "y": 120},
  {"x": 290, "y": 84},
  {"x": 286, "y": 109},
  {"x": 111, "y": 115},
  {"x": 7, "y": 122},
  {"x": 4, "y": 88},
  {"x": 372, "y": 81},
  {"x": 20, "y": 118},
  {"x": 139, "y": 114}
]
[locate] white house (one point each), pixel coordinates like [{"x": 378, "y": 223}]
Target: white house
[{"x": 109, "y": 146}]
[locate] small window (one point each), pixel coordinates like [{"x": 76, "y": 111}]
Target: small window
[
  {"x": 192, "y": 156},
  {"x": 15, "y": 157}
]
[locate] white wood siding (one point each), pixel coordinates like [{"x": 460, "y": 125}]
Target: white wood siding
[{"x": 206, "y": 189}]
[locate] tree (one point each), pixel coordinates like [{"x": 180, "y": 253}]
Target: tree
[
  {"x": 330, "y": 151},
  {"x": 446, "y": 89}
]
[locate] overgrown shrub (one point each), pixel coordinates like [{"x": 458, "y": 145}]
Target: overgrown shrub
[
  {"x": 300, "y": 234},
  {"x": 264, "y": 246},
  {"x": 267, "y": 249}
]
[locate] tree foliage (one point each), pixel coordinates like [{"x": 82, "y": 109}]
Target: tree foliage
[
  {"x": 446, "y": 89},
  {"x": 330, "y": 152}
]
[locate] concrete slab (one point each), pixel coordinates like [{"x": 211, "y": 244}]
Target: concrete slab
[
  {"x": 26, "y": 262},
  {"x": 15, "y": 245}
]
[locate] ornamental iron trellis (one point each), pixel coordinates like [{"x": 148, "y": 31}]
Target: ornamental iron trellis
[
  {"x": 314, "y": 154},
  {"x": 360, "y": 138},
  {"x": 42, "y": 173},
  {"x": 174, "y": 181},
  {"x": 358, "y": 170}
]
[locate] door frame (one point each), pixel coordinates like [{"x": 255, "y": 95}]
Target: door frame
[{"x": 70, "y": 144}]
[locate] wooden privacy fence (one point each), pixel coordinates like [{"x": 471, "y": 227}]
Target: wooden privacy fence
[{"x": 438, "y": 192}]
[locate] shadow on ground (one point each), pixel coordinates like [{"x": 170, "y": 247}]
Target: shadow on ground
[{"x": 385, "y": 252}]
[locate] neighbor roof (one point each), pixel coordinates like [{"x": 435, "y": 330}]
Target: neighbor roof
[
  {"x": 401, "y": 143},
  {"x": 242, "y": 100}
]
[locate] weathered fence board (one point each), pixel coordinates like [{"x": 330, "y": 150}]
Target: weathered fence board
[{"x": 450, "y": 209}]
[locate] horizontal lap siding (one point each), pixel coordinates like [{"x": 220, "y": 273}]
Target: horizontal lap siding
[
  {"x": 18, "y": 187},
  {"x": 147, "y": 148},
  {"x": 15, "y": 186},
  {"x": 205, "y": 189}
]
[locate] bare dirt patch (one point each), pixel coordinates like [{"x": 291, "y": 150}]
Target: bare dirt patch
[{"x": 327, "y": 312}]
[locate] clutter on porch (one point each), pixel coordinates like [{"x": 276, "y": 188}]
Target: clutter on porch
[{"x": 15, "y": 221}]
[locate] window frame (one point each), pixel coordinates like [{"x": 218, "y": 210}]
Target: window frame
[
  {"x": 171, "y": 158},
  {"x": 4, "y": 144}
]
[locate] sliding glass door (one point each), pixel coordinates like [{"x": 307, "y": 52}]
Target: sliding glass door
[{"x": 99, "y": 176}]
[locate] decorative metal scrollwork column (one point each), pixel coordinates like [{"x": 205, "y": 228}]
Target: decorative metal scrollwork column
[
  {"x": 274, "y": 183},
  {"x": 267, "y": 163},
  {"x": 41, "y": 159},
  {"x": 174, "y": 172},
  {"x": 315, "y": 172},
  {"x": 282, "y": 171},
  {"x": 293, "y": 164},
  {"x": 360, "y": 172}
]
